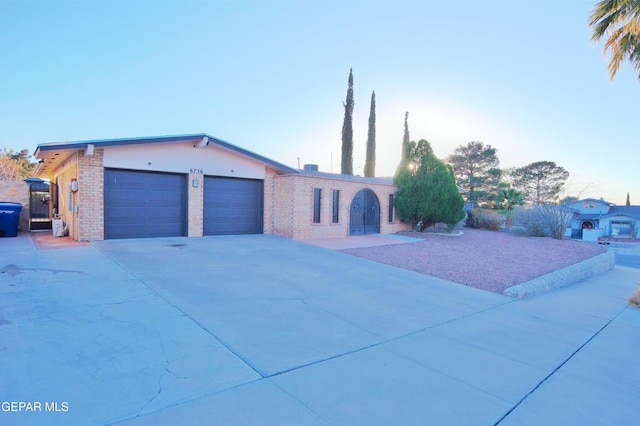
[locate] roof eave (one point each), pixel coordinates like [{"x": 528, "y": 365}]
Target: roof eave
[{"x": 103, "y": 143}]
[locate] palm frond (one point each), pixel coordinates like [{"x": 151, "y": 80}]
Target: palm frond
[{"x": 619, "y": 20}]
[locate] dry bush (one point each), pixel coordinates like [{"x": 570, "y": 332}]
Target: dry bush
[
  {"x": 545, "y": 220},
  {"x": 634, "y": 299},
  {"x": 485, "y": 219}
]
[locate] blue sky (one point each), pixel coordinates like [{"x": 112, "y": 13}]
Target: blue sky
[{"x": 271, "y": 76}]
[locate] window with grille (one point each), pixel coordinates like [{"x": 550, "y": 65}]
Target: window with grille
[
  {"x": 335, "y": 216},
  {"x": 316, "y": 204}
]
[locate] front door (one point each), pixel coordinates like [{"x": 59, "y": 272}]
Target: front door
[{"x": 365, "y": 213}]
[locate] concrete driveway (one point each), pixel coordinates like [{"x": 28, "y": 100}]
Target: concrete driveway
[{"x": 265, "y": 330}]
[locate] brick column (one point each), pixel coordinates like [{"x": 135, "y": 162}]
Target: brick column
[
  {"x": 90, "y": 197},
  {"x": 269, "y": 201},
  {"x": 195, "y": 205}
]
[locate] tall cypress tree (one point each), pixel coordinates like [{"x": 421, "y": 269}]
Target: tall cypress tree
[
  {"x": 406, "y": 148},
  {"x": 347, "y": 130},
  {"x": 628, "y": 200},
  {"x": 406, "y": 143},
  {"x": 370, "y": 163}
]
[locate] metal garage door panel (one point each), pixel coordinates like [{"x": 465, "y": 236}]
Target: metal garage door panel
[
  {"x": 233, "y": 206},
  {"x": 144, "y": 204}
]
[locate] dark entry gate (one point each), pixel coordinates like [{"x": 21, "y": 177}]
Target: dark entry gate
[
  {"x": 365, "y": 213},
  {"x": 39, "y": 204}
]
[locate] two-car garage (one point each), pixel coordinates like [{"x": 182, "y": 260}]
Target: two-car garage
[
  {"x": 140, "y": 204},
  {"x": 160, "y": 186}
]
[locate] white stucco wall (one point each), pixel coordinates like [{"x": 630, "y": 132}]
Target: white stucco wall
[
  {"x": 590, "y": 206},
  {"x": 183, "y": 158},
  {"x": 592, "y": 234}
]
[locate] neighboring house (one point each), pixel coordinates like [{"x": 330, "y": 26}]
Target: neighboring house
[
  {"x": 195, "y": 185},
  {"x": 599, "y": 218}
]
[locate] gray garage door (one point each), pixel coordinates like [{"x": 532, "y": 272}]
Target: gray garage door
[
  {"x": 144, "y": 204},
  {"x": 232, "y": 206}
]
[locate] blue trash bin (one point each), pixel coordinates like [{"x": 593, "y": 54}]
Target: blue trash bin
[{"x": 9, "y": 219}]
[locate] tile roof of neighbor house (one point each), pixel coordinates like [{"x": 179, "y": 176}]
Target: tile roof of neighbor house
[
  {"x": 350, "y": 178},
  {"x": 101, "y": 143}
]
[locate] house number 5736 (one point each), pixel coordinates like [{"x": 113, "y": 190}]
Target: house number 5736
[{"x": 196, "y": 171}]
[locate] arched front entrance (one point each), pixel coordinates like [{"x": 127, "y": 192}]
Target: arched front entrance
[
  {"x": 365, "y": 213},
  {"x": 578, "y": 233}
]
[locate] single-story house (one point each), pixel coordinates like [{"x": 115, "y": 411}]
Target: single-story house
[
  {"x": 599, "y": 218},
  {"x": 196, "y": 185}
]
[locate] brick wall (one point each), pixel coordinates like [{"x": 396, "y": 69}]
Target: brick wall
[
  {"x": 293, "y": 206},
  {"x": 282, "y": 205},
  {"x": 90, "y": 197},
  {"x": 67, "y": 199},
  {"x": 195, "y": 206},
  {"x": 17, "y": 192},
  {"x": 269, "y": 200}
]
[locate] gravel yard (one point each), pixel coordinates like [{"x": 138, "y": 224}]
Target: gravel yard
[{"x": 488, "y": 260}]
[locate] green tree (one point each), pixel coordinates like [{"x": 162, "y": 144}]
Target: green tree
[
  {"x": 406, "y": 148},
  {"x": 540, "y": 182},
  {"x": 428, "y": 194},
  {"x": 347, "y": 130},
  {"x": 628, "y": 203},
  {"x": 476, "y": 168},
  {"x": 619, "y": 21},
  {"x": 508, "y": 199},
  {"x": 370, "y": 162},
  {"x": 15, "y": 165}
]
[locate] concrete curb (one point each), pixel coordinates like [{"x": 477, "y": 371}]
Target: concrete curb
[
  {"x": 563, "y": 277},
  {"x": 457, "y": 233}
]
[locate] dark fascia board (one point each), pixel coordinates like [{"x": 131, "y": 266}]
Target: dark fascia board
[{"x": 102, "y": 143}]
